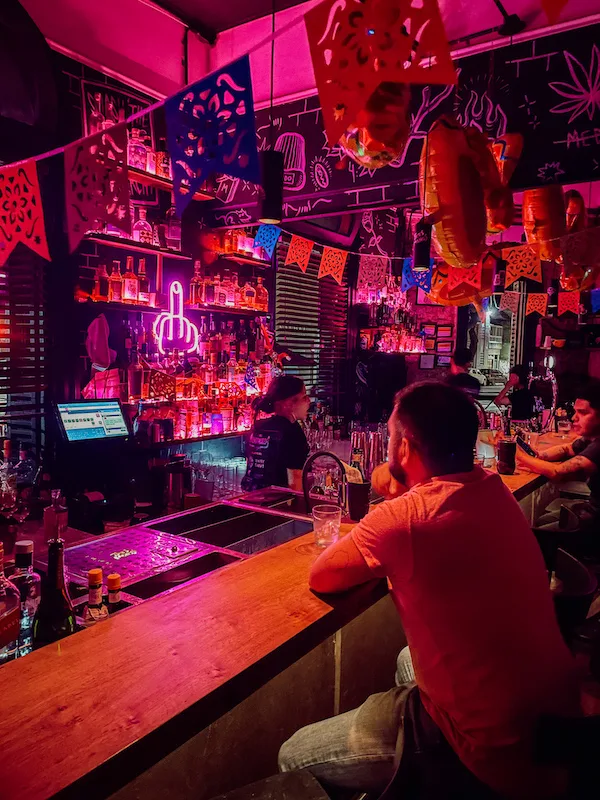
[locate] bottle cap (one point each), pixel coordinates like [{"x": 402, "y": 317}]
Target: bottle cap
[
  {"x": 95, "y": 576},
  {"x": 24, "y": 546},
  {"x": 113, "y": 582}
]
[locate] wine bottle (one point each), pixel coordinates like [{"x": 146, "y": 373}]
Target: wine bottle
[
  {"x": 28, "y": 583},
  {"x": 10, "y": 615},
  {"x": 54, "y": 618}
]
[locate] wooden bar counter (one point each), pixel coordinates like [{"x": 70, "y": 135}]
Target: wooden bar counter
[{"x": 191, "y": 693}]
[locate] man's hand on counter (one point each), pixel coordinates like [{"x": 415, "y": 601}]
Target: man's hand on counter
[{"x": 385, "y": 484}]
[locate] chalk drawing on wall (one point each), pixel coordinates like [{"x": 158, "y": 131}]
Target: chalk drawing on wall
[
  {"x": 320, "y": 173},
  {"x": 582, "y": 95},
  {"x": 550, "y": 172},
  {"x": 293, "y": 147}
]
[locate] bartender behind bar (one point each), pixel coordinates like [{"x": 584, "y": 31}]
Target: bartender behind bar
[{"x": 277, "y": 447}]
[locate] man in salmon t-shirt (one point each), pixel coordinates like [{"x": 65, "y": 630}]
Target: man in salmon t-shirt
[{"x": 471, "y": 588}]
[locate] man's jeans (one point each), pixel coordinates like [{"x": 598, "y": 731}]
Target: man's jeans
[{"x": 357, "y": 750}]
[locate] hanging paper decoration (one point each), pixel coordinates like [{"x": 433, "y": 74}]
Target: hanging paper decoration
[
  {"x": 333, "y": 262},
  {"x": 537, "y": 303},
  {"x": 568, "y": 301},
  {"x": 357, "y": 46},
  {"x": 299, "y": 252},
  {"x": 250, "y": 376},
  {"x": 372, "y": 271},
  {"x": 267, "y": 237},
  {"x": 210, "y": 128},
  {"x": 553, "y": 8},
  {"x": 96, "y": 184},
  {"x": 595, "y": 300},
  {"x": 510, "y": 302},
  {"x": 463, "y": 294},
  {"x": 522, "y": 262},
  {"x": 408, "y": 278},
  {"x": 470, "y": 276},
  {"x": 423, "y": 278},
  {"x": 21, "y": 212}
]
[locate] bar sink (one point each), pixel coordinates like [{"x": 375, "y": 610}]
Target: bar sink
[
  {"x": 157, "y": 584},
  {"x": 211, "y": 515},
  {"x": 251, "y": 533}
]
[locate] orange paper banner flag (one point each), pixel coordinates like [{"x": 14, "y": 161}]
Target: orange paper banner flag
[
  {"x": 470, "y": 276},
  {"x": 522, "y": 262},
  {"x": 356, "y": 46},
  {"x": 553, "y": 8},
  {"x": 333, "y": 262},
  {"x": 568, "y": 301},
  {"x": 21, "y": 212},
  {"x": 537, "y": 303},
  {"x": 510, "y": 302},
  {"x": 299, "y": 252}
]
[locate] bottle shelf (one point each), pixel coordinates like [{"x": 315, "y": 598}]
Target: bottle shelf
[
  {"x": 240, "y": 258},
  {"x": 192, "y": 440},
  {"x": 238, "y": 312},
  {"x": 130, "y": 244},
  {"x": 147, "y": 179}
]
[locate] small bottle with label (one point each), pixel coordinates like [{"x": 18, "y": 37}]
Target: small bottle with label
[
  {"x": 115, "y": 284},
  {"x": 95, "y": 609},
  {"x": 113, "y": 583},
  {"x": 10, "y": 615},
  {"x": 100, "y": 292},
  {"x": 262, "y": 296},
  {"x": 142, "y": 230},
  {"x": 143, "y": 283},
  {"x": 131, "y": 284},
  {"x": 28, "y": 583},
  {"x": 55, "y": 517},
  {"x": 197, "y": 286}
]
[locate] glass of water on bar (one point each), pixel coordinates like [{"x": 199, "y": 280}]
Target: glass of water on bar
[{"x": 326, "y": 524}]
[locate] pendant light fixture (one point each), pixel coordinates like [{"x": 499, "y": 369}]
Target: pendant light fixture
[{"x": 271, "y": 210}]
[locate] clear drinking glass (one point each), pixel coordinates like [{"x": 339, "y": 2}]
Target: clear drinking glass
[
  {"x": 326, "y": 524},
  {"x": 564, "y": 428}
]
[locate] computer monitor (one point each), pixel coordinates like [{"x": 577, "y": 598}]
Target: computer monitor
[{"x": 94, "y": 419}]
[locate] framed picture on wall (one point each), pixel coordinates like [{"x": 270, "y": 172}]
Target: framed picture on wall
[
  {"x": 429, "y": 328},
  {"x": 429, "y": 344},
  {"x": 445, "y": 346},
  {"x": 427, "y": 361},
  {"x": 443, "y": 361},
  {"x": 445, "y": 332},
  {"x": 423, "y": 299}
]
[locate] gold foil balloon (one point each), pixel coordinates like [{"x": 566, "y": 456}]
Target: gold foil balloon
[
  {"x": 452, "y": 192},
  {"x": 507, "y": 151},
  {"x": 544, "y": 219},
  {"x": 464, "y": 294},
  {"x": 498, "y": 199},
  {"x": 382, "y": 128}
]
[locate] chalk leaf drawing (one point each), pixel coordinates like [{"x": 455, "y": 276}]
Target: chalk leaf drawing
[{"x": 583, "y": 95}]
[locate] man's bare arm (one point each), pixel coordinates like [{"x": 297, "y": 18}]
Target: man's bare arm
[
  {"x": 558, "y": 453},
  {"x": 579, "y": 466}
]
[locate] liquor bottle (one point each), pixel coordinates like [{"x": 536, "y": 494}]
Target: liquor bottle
[
  {"x": 96, "y": 121},
  {"x": 248, "y": 296},
  {"x": 95, "y": 610},
  {"x": 262, "y": 296},
  {"x": 233, "y": 292},
  {"x": 54, "y": 618},
  {"x": 163, "y": 160},
  {"x": 10, "y": 614},
  {"x": 136, "y": 150},
  {"x": 127, "y": 338},
  {"x": 222, "y": 290},
  {"x": 251, "y": 341},
  {"x": 213, "y": 347},
  {"x": 26, "y": 469},
  {"x": 115, "y": 284},
  {"x": 197, "y": 286},
  {"x": 173, "y": 229},
  {"x": 243, "y": 341},
  {"x": 113, "y": 583},
  {"x": 216, "y": 284},
  {"x": 139, "y": 332},
  {"x": 150, "y": 157},
  {"x": 209, "y": 290},
  {"x": 100, "y": 292},
  {"x": 56, "y": 517},
  {"x": 142, "y": 230},
  {"x": 260, "y": 344},
  {"x": 203, "y": 341},
  {"x": 28, "y": 583},
  {"x": 131, "y": 284},
  {"x": 143, "y": 283},
  {"x": 135, "y": 376},
  {"x": 231, "y": 368},
  {"x": 225, "y": 338}
]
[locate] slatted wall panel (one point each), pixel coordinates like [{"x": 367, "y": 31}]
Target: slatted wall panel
[
  {"x": 311, "y": 318},
  {"x": 22, "y": 345}
]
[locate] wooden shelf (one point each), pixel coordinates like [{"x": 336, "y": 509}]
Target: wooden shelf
[
  {"x": 147, "y": 179},
  {"x": 233, "y": 312},
  {"x": 240, "y": 258},
  {"x": 240, "y": 312},
  {"x": 130, "y": 244}
]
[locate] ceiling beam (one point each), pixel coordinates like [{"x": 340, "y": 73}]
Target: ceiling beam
[{"x": 207, "y": 34}]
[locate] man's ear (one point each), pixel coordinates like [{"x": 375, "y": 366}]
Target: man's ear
[{"x": 405, "y": 451}]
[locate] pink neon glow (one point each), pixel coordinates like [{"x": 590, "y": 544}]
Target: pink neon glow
[{"x": 172, "y": 328}]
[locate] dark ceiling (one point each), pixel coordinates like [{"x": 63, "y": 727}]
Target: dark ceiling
[{"x": 209, "y": 17}]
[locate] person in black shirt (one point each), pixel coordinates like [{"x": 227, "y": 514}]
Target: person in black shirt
[
  {"x": 277, "y": 447},
  {"x": 515, "y": 392},
  {"x": 579, "y": 459},
  {"x": 460, "y": 363}
]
